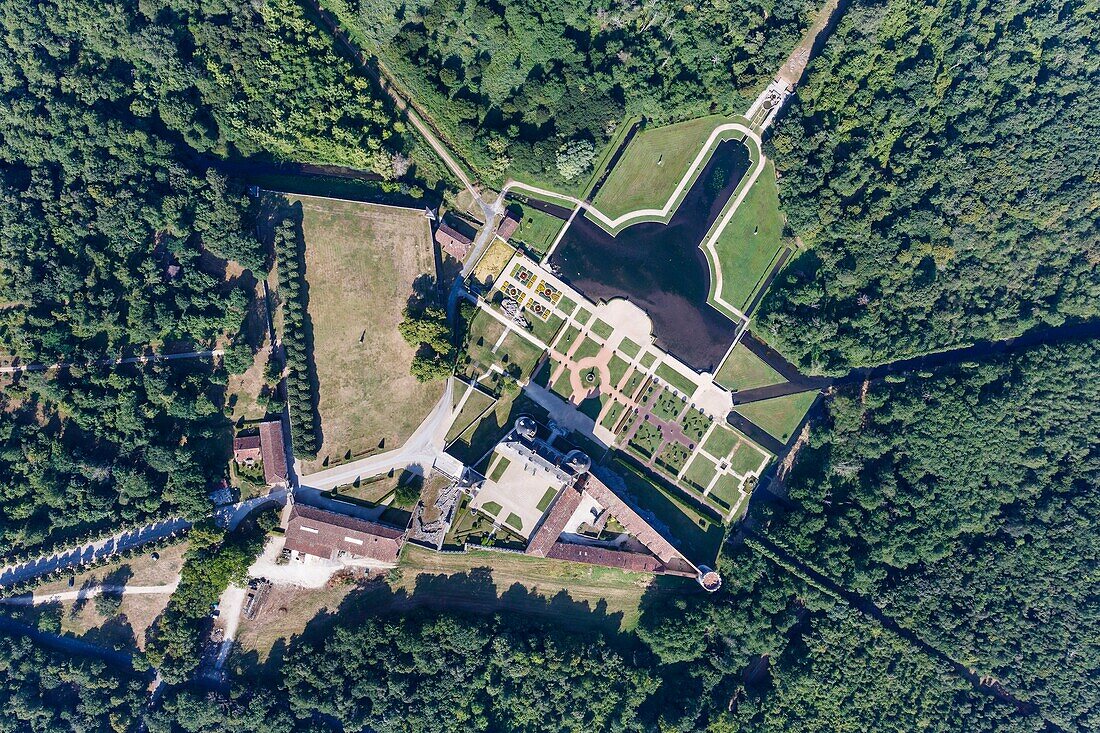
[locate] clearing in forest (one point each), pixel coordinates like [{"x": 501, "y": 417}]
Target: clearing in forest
[{"x": 363, "y": 264}]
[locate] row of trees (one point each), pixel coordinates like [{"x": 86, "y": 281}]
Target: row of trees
[
  {"x": 938, "y": 161},
  {"x": 297, "y": 337},
  {"x": 534, "y": 87}
]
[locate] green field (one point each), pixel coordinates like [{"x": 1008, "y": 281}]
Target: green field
[
  {"x": 675, "y": 379},
  {"x": 652, "y": 165},
  {"x": 477, "y": 403},
  {"x": 617, "y": 369},
  {"x": 743, "y": 369},
  {"x": 727, "y": 490},
  {"x": 361, "y": 263},
  {"x": 720, "y": 442},
  {"x": 745, "y": 459},
  {"x": 568, "y": 338},
  {"x": 700, "y": 472},
  {"x": 778, "y": 416},
  {"x": 751, "y": 241},
  {"x": 482, "y": 334},
  {"x": 587, "y": 349},
  {"x": 517, "y": 352},
  {"x": 537, "y": 229}
]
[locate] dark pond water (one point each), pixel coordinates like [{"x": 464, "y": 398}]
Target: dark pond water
[{"x": 660, "y": 267}]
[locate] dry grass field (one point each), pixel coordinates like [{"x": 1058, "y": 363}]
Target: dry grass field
[{"x": 362, "y": 261}]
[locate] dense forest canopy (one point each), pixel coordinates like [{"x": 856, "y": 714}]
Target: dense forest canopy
[
  {"x": 112, "y": 207},
  {"x": 967, "y": 503},
  {"x": 516, "y": 83},
  {"x": 940, "y": 162}
]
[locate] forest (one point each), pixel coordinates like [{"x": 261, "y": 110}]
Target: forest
[
  {"x": 939, "y": 165},
  {"x": 112, "y": 237},
  {"x": 535, "y": 88}
]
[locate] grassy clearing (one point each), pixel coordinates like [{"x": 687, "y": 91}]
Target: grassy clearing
[
  {"x": 720, "y": 442},
  {"x": 537, "y": 229},
  {"x": 652, "y": 165},
  {"x": 673, "y": 378},
  {"x": 629, "y": 348},
  {"x": 567, "y": 592},
  {"x": 613, "y": 415},
  {"x": 673, "y": 457},
  {"x": 743, "y": 369},
  {"x": 668, "y": 406},
  {"x": 544, "y": 502},
  {"x": 362, "y": 262},
  {"x": 778, "y": 416},
  {"x": 695, "y": 424},
  {"x": 751, "y": 241},
  {"x": 285, "y": 613},
  {"x": 492, "y": 263}
]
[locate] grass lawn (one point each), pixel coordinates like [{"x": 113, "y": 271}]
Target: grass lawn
[
  {"x": 743, "y": 369},
  {"x": 476, "y": 404},
  {"x": 499, "y": 467},
  {"x": 700, "y": 472},
  {"x": 563, "y": 592},
  {"x": 629, "y": 348},
  {"x": 617, "y": 367},
  {"x": 514, "y": 521},
  {"x": 675, "y": 379},
  {"x": 478, "y": 438},
  {"x": 285, "y": 613},
  {"x": 613, "y": 415},
  {"x": 751, "y": 241},
  {"x": 567, "y": 339},
  {"x": 673, "y": 457},
  {"x": 668, "y": 406},
  {"x": 545, "y": 331},
  {"x": 721, "y": 442},
  {"x": 652, "y": 165},
  {"x": 544, "y": 502},
  {"x": 492, "y": 263},
  {"x": 582, "y": 316},
  {"x": 491, "y": 507},
  {"x": 602, "y": 329},
  {"x": 727, "y": 489},
  {"x": 630, "y": 386},
  {"x": 482, "y": 335},
  {"x": 361, "y": 263},
  {"x": 778, "y": 416},
  {"x": 695, "y": 425},
  {"x": 647, "y": 439},
  {"x": 518, "y": 351},
  {"x": 537, "y": 229},
  {"x": 588, "y": 348},
  {"x": 746, "y": 458},
  {"x": 562, "y": 386},
  {"x": 694, "y": 532},
  {"x": 647, "y": 360}
]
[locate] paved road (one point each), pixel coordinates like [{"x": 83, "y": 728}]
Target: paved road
[
  {"x": 422, "y": 448},
  {"x": 111, "y": 362},
  {"x": 37, "y": 599}
]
